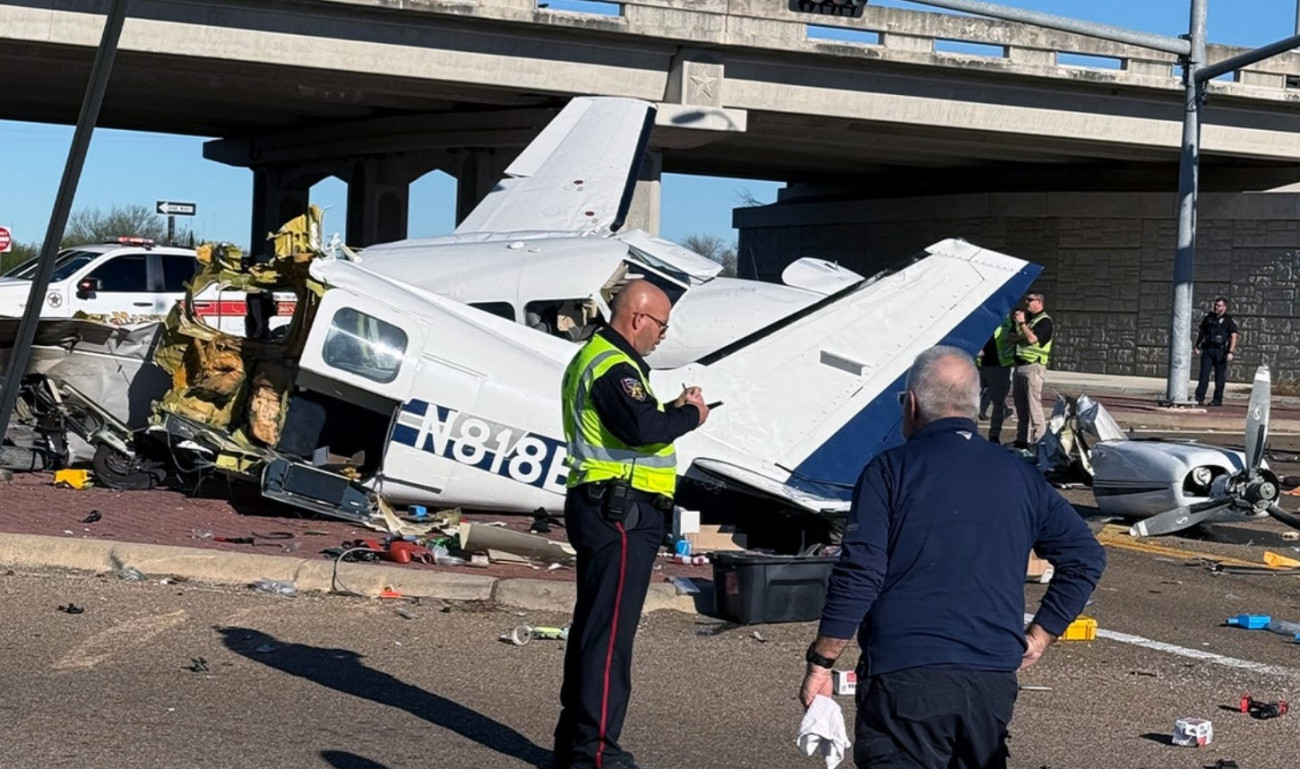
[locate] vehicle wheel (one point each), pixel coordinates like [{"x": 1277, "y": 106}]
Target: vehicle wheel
[{"x": 118, "y": 470}]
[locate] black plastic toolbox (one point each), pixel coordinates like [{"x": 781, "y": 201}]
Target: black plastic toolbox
[{"x": 755, "y": 588}]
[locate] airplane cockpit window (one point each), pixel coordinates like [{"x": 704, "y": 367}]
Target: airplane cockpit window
[
  {"x": 572, "y": 319},
  {"x": 499, "y": 309},
  {"x": 673, "y": 281},
  {"x": 363, "y": 345}
]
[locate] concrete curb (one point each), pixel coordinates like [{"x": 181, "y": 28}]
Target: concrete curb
[{"x": 308, "y": 575}]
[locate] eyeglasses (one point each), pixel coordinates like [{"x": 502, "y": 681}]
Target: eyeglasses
[
  {"x": 663, "y": 324},
  {"x": 902, "y": 398}
]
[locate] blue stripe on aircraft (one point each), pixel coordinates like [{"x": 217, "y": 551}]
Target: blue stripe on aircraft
[{"x": 879, "y": 426}]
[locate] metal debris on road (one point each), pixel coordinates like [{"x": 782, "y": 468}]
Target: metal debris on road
[
  {"x": 405, "y": 613},
  {"x": 72, "y": 608},
  {"x": 94, "y": 516},
  {"x": 198, "y": 665},
  {"x": 758, "y": 637},
  {"x": 131, "y": 574},
  {"x": 522, "y": 634}
]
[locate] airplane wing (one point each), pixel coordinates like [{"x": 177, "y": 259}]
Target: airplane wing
[
  {"x": 814, "y": 394},
  {"x": 576, "y": 176}
]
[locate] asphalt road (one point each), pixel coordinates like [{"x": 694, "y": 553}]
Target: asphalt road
[{"x": 349, "y": 683}]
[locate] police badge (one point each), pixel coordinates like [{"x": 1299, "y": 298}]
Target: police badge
[{"x": 634, "y": 388}]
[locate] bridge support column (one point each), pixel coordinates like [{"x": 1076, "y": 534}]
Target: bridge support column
[
  {"x": 643, "y": 214},
  {"x": 476, "y": 174},
  {"x": 379, "y": 192},
  {"x": 279, "y": 194}
]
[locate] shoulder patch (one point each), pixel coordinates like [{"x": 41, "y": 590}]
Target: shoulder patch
[{"x": 633, "y": 388}]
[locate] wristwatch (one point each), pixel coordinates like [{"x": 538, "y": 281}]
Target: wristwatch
[{"x": 813, "y": 658}]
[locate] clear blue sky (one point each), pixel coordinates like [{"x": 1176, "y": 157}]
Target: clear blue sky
[{"x": 126, "y": 167}]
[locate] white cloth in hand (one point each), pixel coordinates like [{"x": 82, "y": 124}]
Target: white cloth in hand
[{"x": 822, "y": 732}]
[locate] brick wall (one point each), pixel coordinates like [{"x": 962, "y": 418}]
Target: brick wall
[{"x": 1107, "y": 259}]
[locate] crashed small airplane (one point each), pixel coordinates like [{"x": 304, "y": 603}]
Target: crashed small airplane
[
  {"x": 1172, "y": 485},
  {"x": 427, "y": 372}
]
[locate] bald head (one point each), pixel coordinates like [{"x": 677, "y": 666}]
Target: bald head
[
  {"x": 640, "y": 314},
  {"x": 944, "y": 383}
]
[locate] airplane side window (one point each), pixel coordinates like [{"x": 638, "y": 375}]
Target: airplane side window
[
  {"x": 363, "y": 345},
  {"x": 499, "y": 309},
  {"x": 572, "y": 319},
  {"x": 128, "y": 273}
]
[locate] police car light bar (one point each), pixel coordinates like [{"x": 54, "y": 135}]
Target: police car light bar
[
  {"x": 132, "y": 240},
  {"x": 849, "y": 8}
]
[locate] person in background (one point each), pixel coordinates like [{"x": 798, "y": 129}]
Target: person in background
[
  {"x": 931, "y": 577},
  {"x": 1216, "y": 343},
  {"x": 997, "y": 360},
  {"x": 1033, "y": 340}
]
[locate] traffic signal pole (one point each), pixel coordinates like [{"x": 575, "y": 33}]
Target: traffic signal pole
[{"x": 20, "y": 355}]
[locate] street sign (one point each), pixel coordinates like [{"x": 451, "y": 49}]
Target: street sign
[
  {"x": 170, "y": 208},
  {"x": 6, "y": 240}
]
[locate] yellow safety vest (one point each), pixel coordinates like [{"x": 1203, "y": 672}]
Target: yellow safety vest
[
  {"x": 1035, "y": 353},
  {"x": 594, "y": 453},
  {"x": 1002, "y": 340}
]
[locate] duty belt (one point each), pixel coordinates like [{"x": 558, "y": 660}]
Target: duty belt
[{"x": 659, "y": 502}]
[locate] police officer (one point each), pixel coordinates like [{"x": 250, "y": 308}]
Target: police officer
[
  {"x": 996, "y": 361},
  {"x": 622, "y": 476},
  {"x": 1216, "y": 343},
  {"x": 1033, "y": 331}
]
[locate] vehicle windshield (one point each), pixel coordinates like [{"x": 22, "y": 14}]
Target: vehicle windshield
[{"x": 65, "y": 265}]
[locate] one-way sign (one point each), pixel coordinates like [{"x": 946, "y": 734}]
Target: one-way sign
[{"x": 169, "y": 208}]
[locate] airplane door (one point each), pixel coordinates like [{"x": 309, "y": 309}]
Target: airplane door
[{"x": 360, "y": 343}]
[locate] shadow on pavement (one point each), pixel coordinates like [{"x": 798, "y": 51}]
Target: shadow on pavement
[
  {"x": 344, "y": 671},
  {"x": 341, "y": 759}
]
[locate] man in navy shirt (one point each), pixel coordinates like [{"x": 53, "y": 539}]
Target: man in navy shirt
[{"x": 931, "y": 578}]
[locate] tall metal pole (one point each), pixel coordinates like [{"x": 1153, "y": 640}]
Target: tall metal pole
[
  {"x": 1180, "y": 326},
  {"x": 94, "y": 97}
]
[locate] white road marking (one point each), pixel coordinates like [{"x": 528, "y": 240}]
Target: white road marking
[{"x": 1197, "y": 654}]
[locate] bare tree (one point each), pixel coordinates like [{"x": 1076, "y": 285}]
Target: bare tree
[
  {"x": 90, "y": 225},
  {"x": 715, "y": 248}
]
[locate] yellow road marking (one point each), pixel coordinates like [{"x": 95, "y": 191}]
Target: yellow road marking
[{"x": 1116, "y": 536}]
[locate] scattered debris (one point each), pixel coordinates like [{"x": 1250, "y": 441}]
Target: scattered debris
[
  {"x": 200, "y": 534},
  {"x": 684, "y": 585},
  {"x": 198, "y": 665},
  {"x": 845, "y": 681},
  {"x": 94, "y": 516},
  {"x": 1193, "y": 732},
  {"x": 405, "y": 613},
  {"x": 1291, "y": 536},
  {"x": 388, "y": 592},
  {"x": 67, "y": 478},
  {"x": 6, "y": 475},
  {"x": 522, "y": 634},
  {"x": 72, "y": 608},
  {"x": 1280, "y": 561},
  {"x": 276, "y": 586},
  {"x": 1082, "y": 629},
  {"x": 1033, "y": 688},
  {"x": 758, "y": 637},
  {"x": 1263, "y": 710},
  {"x": 478, "y": 537},
  {"x": 1144, "y": 673},
  {"x": 132, "y": 574}
]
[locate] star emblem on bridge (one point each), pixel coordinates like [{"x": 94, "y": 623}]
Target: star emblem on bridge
[{"x": 704, "y": 85}]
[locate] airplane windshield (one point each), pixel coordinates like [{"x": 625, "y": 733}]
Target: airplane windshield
[
  {"x": 65, "y": 266},
  {"x": 673, "y": 282}
]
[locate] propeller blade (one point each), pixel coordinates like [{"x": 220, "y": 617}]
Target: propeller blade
[
  {"x": 1177, "y": 519},
  {"x": 1261, "y": 400},
  {"x": 1289, "y": 519}
]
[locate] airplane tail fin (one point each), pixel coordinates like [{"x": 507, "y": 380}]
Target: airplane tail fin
[
  {"x": 578, "y": 175},
  {"x": 830, "y": 374}
]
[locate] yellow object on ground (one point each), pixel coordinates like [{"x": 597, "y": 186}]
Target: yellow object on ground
[
  {"x": 73, "y": 479},
  {"x": 1082, "y": 629},
  {"x": 1280, "y": 561}
]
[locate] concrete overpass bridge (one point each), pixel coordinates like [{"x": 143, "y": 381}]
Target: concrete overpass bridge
[
  {"x": 1057, "y": 147},
  {"x": 379, "y": 92}
]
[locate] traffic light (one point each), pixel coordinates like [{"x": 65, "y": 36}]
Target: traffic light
[{"x": 849, "y": 8}]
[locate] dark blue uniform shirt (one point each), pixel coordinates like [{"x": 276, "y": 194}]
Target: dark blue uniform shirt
[{"x": 936, "y": 548}]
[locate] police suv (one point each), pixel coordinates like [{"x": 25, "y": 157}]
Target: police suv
[{"x": 125, "y": 282}]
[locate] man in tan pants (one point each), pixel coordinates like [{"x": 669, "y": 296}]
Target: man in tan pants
[{"x": 1033, "y": 335}]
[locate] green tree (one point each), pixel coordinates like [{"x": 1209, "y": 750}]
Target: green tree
[
  {"x": 90, "y": 225},
  {"x": 715, "y": 248}
]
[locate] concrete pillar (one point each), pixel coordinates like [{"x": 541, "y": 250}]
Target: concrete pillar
[
  {"x": 279, "y": 194},
  {"x": 378, "y": 199},
  {"x": 478, "y": 172},
  {"x": 643, "y": 214}
]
